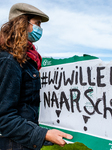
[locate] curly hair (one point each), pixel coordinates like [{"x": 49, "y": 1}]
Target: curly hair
[{"x": 14, "y": 37}]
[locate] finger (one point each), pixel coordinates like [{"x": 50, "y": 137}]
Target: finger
[
  {"x": 65, "y": 135},
  {"x": 68, "y": 136},
  {"x": 62, "y": 143}
]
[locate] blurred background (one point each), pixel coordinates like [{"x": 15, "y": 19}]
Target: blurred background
[{"x": 76, "y": 27}]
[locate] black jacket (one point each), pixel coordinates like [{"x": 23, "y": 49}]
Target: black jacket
[{"x": 19, "y": 102}]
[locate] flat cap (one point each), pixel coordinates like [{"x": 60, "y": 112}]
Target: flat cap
[{"x": 23, "y": 8}]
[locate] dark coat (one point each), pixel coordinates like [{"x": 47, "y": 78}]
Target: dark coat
[{"x": 19, "y": 102}]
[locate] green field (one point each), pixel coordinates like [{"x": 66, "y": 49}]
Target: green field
[{"x": 74, "y": 146}]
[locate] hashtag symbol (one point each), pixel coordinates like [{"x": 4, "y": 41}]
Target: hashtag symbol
[{"x": 44, "y": 79}]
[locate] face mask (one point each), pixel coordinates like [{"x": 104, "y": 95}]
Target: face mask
[{"x": 36, "y": 34}]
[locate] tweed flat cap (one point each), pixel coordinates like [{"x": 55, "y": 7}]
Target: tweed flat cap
[{"x": 23, "y": 8}]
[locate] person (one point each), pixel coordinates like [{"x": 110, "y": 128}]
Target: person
[{"x": 20, "y": 82}]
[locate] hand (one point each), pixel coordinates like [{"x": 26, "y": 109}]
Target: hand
[{"x": 55, "y": 136}]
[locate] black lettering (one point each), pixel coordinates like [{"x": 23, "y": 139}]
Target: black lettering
[
  {"x": 49, "y": 78},
  {"x": 54, "y": 99},
  {"x": 96, "y": 105},
  {"x": 63, "y": 100},
  {"x": 89, "y": 77},
  {"x": 81, "y": 78},
  {"x": 99, "y": 77},
  {"x": 76, "y": 99},
  {"x": 44, "y": 79},
  {"x": 47, "y": 99},
  {"x": 59, "y": 83},
  {"x": 85, "y": 93},
  {"x": 68, "y": 80},
  {"x": 56, "y": 76},
  {"x": 105, "y": 107},
  {"x": 76, "y": 77}
]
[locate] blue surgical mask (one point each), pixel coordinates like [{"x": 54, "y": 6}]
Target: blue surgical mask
[{"x": 36, "y": 34}]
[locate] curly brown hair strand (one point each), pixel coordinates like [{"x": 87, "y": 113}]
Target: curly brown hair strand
[{"x": 13, "y": 37}]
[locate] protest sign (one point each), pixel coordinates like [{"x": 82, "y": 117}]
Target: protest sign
[{"x": 76, "y": 97}]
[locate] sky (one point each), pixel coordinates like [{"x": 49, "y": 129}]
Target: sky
[{"x": 75, "y": 27}]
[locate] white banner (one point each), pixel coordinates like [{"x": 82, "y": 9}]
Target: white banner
[{"x": 78, "y": 96}]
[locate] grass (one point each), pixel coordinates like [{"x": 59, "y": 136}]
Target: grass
[{"x": 74, "y": 146}]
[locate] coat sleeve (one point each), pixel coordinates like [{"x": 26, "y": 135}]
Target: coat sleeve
[{"x": 12, "y": 125}]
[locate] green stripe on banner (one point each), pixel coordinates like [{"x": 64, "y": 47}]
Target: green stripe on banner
[
  {"x": 51, "y": 61},
  {"x": 92, "y": 142}
]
